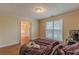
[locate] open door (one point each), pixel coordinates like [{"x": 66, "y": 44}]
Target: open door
[{"x": 25, "y": 32}]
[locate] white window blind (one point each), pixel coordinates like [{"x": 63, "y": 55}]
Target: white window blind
[
  {"x": 49, "y": 30},
  {"x": 54, "y": 30}
]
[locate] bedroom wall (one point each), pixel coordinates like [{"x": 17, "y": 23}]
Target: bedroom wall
[
  {"x": 42, "y": 28},
  {"x": 70, "y": 22},
  {"x": 9, "y": 30},
  {"x": 34, "y": 30}
]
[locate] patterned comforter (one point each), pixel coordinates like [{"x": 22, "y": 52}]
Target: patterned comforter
[
  {"x": 46, "y": 47},
  {"x": 50, "y": 47},
  {"x": 65, "y": 49}
]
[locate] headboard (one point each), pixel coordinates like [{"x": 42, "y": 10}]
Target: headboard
[{"x": 74, "y": 34}]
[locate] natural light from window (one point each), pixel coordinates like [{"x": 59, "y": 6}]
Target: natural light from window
[{"x": 54, "y": 29}]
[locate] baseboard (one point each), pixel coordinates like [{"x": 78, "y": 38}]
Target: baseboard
[{"x": 9, "y": 44}]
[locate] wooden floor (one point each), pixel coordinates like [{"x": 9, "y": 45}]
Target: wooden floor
[{"x": 10, "y": 50}]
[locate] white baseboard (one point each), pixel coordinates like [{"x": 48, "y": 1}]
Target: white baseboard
[{"x": 9, "y": 44}]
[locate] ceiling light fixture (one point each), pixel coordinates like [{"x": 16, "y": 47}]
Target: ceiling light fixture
[{"x": 39, "y": 10}]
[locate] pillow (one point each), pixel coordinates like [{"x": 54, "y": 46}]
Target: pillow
[{"x": 33, "y": 45}]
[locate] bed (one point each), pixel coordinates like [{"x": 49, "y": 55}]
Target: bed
[
  {"x": 65, "y": 49},
  {"x": 46, "y": 47}
]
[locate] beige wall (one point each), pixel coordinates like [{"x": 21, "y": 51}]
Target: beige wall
[
  {"x": 9, "y": 30},
  {"x": 42, "y": 28},
  {"x": 70, "y": 22}
]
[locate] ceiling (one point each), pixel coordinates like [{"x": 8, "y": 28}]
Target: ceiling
[{"x": 26, "y": 9}]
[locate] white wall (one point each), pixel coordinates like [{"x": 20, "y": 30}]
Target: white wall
[
  {"x": 34, "y": 29},
  {"x": 9, "y": 31}
]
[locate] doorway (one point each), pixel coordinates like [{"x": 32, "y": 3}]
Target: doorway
[{"x": 25, "y": 32}]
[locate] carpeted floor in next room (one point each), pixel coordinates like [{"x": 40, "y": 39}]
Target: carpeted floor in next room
[{"x": 10, "y": 50}]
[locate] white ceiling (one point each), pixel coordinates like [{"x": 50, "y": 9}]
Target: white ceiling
[{"x": 26, "y": 9}]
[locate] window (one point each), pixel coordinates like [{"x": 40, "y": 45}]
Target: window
[
  {"x": 58, "y": 30},
  {"x": 54, "y": 30},
  {"x": 49, "y": 30}
]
